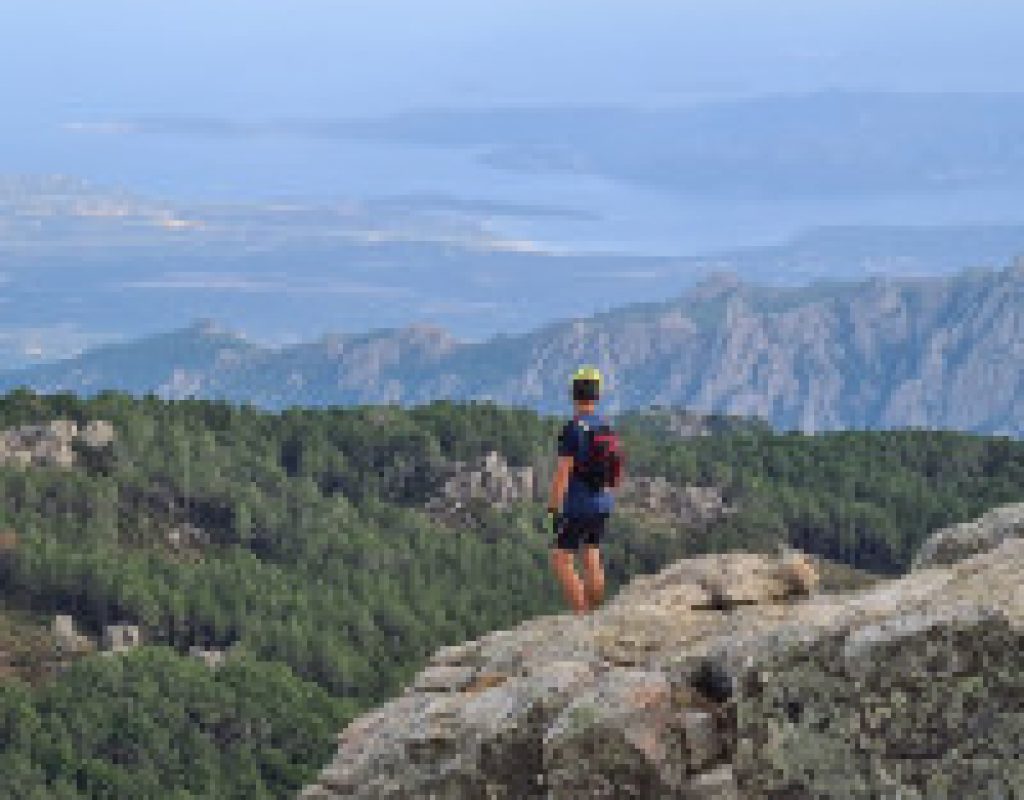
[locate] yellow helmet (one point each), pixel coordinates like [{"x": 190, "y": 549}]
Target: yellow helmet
[{"x": 587, "y": 374}]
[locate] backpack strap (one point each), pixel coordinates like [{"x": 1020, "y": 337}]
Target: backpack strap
[
  {"x": 587, "y": 430},
  {"x": 586, "y": 437}
]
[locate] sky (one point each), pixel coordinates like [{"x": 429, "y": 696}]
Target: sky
[{"x": 253, "y": 58}]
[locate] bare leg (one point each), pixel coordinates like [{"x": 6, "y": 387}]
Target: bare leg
[
  {"x": 593, "y": 576},
  {"x": 572, "y": 586}
]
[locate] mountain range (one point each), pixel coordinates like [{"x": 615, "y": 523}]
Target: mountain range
[{"x": 936, "y": 352}]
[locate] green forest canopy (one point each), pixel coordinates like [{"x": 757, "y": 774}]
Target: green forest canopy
[{"x": 332, "y": 584}]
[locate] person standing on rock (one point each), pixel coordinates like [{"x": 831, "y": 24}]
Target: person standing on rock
[{"x": 589, "y": 465}]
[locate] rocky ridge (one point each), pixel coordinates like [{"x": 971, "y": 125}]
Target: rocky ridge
[
  {"x": 724, "y": 676},
  {"x": 882, "y": 353}
]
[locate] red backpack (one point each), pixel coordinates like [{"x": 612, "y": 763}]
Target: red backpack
[{"x": 602, "y": 466}]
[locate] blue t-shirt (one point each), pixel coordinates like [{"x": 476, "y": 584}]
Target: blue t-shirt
[{"x": 580, "y": 500}]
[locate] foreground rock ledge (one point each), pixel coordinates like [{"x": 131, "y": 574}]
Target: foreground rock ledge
[{"x": 715, "y": 678}]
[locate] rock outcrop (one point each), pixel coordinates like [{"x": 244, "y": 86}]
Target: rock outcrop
[
  {"x": 66, "y": 638},
  {"x": 39, "y": 445},
  {"x": 492, "y": 482},
  {"x": 214, "y": 659},
  {"x": 490, "y": 479},
  {"x": 488, "y": 483},
  {"x": 724, "y": 676},
  {"x": 685, "y": 505},
  {"x": 69, "y": 641},
  {"x": 50, "y": 445},
  {"x": 97, "y": 433},
  {"x": 957, "y": 542},
  {"x": 119, "y": 638},
  {"x": 186, "y": 535},
  {"x": 683, "y": 423}
]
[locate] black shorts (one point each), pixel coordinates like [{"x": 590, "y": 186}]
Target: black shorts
[{"x": 575, "y": 531}]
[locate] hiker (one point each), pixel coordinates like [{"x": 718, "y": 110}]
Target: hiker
[{"x": 589, "y": 464}]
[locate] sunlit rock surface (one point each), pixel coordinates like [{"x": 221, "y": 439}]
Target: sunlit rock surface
[{"x": 725, "y": 676}]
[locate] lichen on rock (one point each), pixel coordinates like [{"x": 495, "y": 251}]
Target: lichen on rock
[{"x": 723, "y": 676}]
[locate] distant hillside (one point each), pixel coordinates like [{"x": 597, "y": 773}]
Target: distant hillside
[
  {"x": 812, "y": 144},
  {"x": 882, "y": 353},
  {"x": 684, "y": 424}
]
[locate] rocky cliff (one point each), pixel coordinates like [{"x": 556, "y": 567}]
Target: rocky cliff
[{"x": 725, "y": 676}]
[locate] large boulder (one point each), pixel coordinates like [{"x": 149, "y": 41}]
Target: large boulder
[
  {"x": 119, "y": 638},
  {"x": 67, "y": 640},
  {"x": 957, "y": 542},
  {"x": 563, "y": 706},
  {"x": 724, "y": 676},
  {"x": 912, "y": 690},
  {"x": 97, "y": 433},
  {"x": 688, "y": 505}
]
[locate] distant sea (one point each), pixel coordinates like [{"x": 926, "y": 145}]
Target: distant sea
[{"x": 606, "y": 216}]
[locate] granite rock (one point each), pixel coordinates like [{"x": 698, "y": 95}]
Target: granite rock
[
  {"x": 957, "y": 542},
  {"x": 720, "y": 677}
]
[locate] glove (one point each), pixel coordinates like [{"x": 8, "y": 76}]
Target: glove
[{"x": 554, "y": 520}]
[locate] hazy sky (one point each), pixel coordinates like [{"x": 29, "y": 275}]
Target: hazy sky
[{"x": 252, "y": 58}]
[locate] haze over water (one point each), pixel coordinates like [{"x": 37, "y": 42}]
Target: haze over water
[
  {"x": 85, "y": 72},
  {"x": 289, "y": 169}
]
